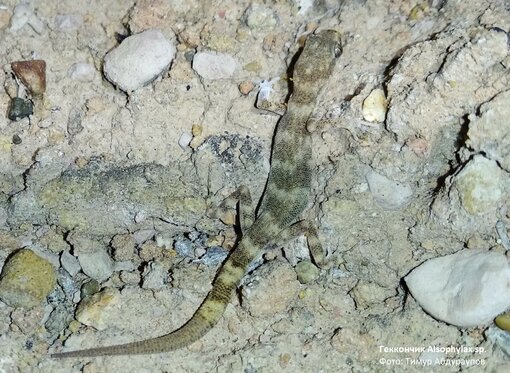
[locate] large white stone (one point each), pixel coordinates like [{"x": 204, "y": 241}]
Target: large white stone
[
  {"x": 467, "y": 289},
  {"x": 138, "y": 60}
]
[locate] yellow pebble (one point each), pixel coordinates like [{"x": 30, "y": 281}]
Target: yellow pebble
[
  {"x": 375, "y": 106},
  {"x": 196, "y": 130},
  {"x": 74, "y": 326},
  {"x": 503, "y": 321}
]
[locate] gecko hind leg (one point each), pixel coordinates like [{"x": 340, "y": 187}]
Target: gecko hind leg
[
  {"x": 246, "y": 213},
  {"x": 307, "y": 228}
]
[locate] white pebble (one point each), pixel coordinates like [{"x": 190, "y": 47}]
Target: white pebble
[
  {"x": 97, "y": 265},
  {"x": 389, "y": 194},
  {"x": 211, "y": 65},
  {"x": 68, "y": 22},
  {"x": 374, "y": 106},
  {"x": 185, "y": 140},
  {"x": 467, "y": 289},
  {"x": 140, "y": 59},
  {"x": 81, "y": 71}
]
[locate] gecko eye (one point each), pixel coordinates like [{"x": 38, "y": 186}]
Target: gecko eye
[{"x": 338, "y": 50}]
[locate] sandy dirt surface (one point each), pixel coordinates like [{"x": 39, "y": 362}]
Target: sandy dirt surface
[{"x": 119, "y": 191}]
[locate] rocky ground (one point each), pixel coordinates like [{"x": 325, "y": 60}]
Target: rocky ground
[{"x": 109, "y": 226}]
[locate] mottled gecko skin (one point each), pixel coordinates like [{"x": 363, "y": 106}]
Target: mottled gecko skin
[{"x": 286, "y": 196}]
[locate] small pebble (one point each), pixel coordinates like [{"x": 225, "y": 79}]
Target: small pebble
[
  {"x": 212, "y": 65},
  {"x": 138, "y": 60},
  {"x": 306, "y": 272},
  {"x": 503, "y": 321},
  {"x": 26, "y": 279},
  {"x": 246, "y": 87},
  {"x": 20, "y": 109},
  {"x": 199, "y": 251},
  {"x": 419, "y": 146},
  {"x": 68, "y": 22},
  {"x": 82, "y": 72},
  {"x": 74, "y": 120},
  {"x": 481, "y": 185},
  {"x": 92, "y": 311},
  {"x": 89, "y": 288},
  {"x": 185, "y": 140},
  {"x": 389, "y": 194},
  {"x": 70, "y": 263},
  {"x": 74, "y": 326},
  {"x": 374, "y": 106},
  {"x": 196, "y": 129},
  {"x": 97, "y": 265},
  {"x": 16, "y": 140},
  {"x": 32, "y": 74}
]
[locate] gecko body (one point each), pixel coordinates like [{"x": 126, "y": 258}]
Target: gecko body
[{"x": 286, "y": 196}]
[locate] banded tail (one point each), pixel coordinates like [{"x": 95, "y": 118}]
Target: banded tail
[{"x": 203, "y": 320}]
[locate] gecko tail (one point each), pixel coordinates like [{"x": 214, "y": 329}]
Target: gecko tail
[
  {"x": 206, "y": 316},
  {"x": 195, "y": 328}
]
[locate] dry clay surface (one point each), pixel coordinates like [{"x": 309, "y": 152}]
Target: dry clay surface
[{"x": 119, "y": 191}]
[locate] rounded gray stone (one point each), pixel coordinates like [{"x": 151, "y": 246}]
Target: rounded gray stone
[{"x": 138, "y": 60}]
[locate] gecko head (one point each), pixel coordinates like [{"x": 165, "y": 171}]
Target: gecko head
[{"x": 317, "y": 60}]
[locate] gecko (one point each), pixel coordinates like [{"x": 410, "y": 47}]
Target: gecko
[{"x": 286, "y": 196}]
